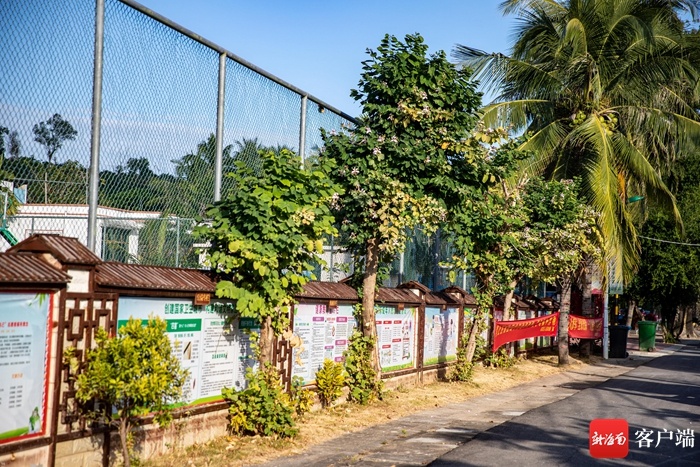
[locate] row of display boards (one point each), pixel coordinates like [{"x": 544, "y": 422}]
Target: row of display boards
[{"x": 55, "y": 294}]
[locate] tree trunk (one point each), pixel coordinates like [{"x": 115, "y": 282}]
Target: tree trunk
[
  {"x": 563, "y": 345},
  {"x": 507, "y": 315},
  {"x": 586, "y": 308},
  {"x": 369, "y": 285},
  {"x": 46, "y": 187},
  {"x": 124, "y": 438},
  {"x": 689, "y": 331},
  {"x": 265, "y": 344},
  {"x": 631, "y": 309},
  {"x": 471, "y": 342}
]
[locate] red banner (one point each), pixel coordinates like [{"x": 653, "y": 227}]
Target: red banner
[
  {"x": 585, "y": 328},
  {"x": 510, "y": 331}
]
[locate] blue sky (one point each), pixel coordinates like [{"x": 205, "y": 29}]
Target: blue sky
[
  {"x": 159, "y": 88},
  {"x": 318, "y": 46}
]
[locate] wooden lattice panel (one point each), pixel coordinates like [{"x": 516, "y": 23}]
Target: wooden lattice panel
[
  {"x": 82, "y": 315},
  {"x": 283, "y": 361}
]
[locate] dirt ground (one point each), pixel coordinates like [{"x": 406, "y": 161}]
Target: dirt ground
[{"x": 321, "y": 426}]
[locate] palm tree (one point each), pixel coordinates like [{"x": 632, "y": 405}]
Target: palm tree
[
  {"x": 196, "y": 171},
  {"x": 606, "y": 90}
]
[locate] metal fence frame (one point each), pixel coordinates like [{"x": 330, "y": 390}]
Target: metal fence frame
[{"x": 223, "y": 55}]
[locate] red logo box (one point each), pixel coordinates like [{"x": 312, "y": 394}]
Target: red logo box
[{"x": 608, "y": 438}]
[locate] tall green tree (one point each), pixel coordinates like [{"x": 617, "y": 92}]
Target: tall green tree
[
  {"x": 196, "y": 169},
  {"x": 668, "y": 280},
  {"x": 396, "y": 165},
  {"x": 52, "y": 134},
  {"x": 562, "y": 235},
  {"x": 11, "y": 206},
  {"x": 485, "y": 226},
  {"x": 265, "y": 238},
  {"x": 607, "y": 91}
]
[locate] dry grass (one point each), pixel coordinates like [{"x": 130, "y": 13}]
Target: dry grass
[{"x": 321, "y": 426}]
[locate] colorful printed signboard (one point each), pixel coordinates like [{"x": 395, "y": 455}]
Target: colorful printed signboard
[
  {"x": 24, "y": 344},
  {"x": 214, "y": 348},
  {"x": 396, "y": 337},
  {"x": 320, "y": 332},
  {"x": 440, "y": 338}
]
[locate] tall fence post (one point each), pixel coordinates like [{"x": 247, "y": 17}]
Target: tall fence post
[
  {"x": 177, "y": 243},
  {"x": 94, "y": 178},
  {"x": 220, "y": 128},
  {"x": 302, "y": 128}
]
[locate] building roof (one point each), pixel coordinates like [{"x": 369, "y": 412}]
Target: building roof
[
  {"x": 442, "y": 298},
  {"x": 328, "y": 291},
  {"x": 137, "y": 276},
  {"x": 517, "y": 303},
  {"x": 467, "y": 298},
  {"x": 544, "y": 303},
  {"x": 414, "y": 285},
  {"x": 29, "y": 269},
  {"x": 67, "y": 250},
  {"x": 387, "y": 295}
]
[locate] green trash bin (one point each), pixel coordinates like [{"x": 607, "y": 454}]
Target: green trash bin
[{"x": 647, "y": 335}]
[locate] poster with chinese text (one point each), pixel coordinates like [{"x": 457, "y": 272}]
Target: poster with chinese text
[
  {"x": 440, "y": 337},
  {"x": 24, "y": 344},
  {"x": 210, "y": 344},
  {"x": 320, "y": 332},
  {"x": 396, "y": 337}
]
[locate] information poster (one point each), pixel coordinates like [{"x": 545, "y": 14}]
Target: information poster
[
  {"x": 320, "y": 332},
  {"x": 440, "y": 337},
  {"x": 524, "y": 344},
  {"x": 24, "y": 344},
  {"x": 396, "y": 337},
  {"x": 214, "y": 348}
]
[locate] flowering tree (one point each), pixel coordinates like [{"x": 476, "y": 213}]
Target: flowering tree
[
  {"x": 504, "y": 230},
  {"x": 396, "y": 166},
  {"x": 562, "y": 235},
  {"x": 485, "y": 225}
]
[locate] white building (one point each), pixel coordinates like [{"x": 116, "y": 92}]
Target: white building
[{"x": 117, "y": 235}]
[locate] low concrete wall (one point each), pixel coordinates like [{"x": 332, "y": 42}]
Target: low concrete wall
[
  {"x": 37, "y": 457},
  {"x": 151, "y": 441},
  {"x": 81, "y": 452}
]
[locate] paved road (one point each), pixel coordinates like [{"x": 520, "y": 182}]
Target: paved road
[{"x": 663, "y": 394}]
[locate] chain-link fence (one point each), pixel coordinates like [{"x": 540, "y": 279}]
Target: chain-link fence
[{"x": 166, "y": 96}]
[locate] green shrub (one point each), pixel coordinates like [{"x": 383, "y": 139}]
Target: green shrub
[
  {"x": 330, "y": 380},
  {"x": 302, "y": 399},
  {"x": 131, "y": 375},
  {"x": 500, "y": 359},
  {"x": 263, "y": 408},
  {"x": 361, "y": 377},
  {"x": 462, "y": 370}
]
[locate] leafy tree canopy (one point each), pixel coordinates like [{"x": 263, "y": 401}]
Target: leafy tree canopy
[
  {"x": 53, "y": 133},
  {"x": 607, "y": 90},
  {"x": 266, "y": 238}
]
